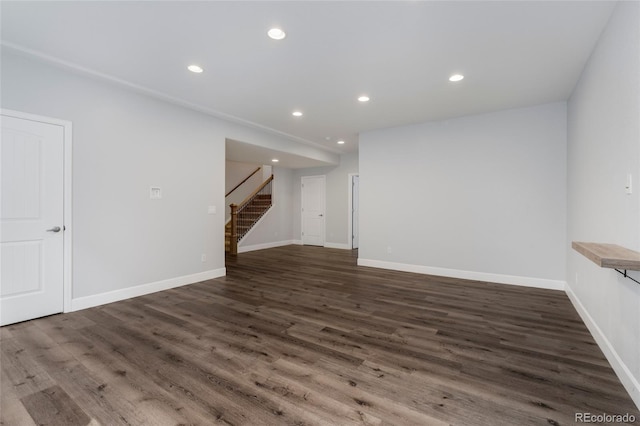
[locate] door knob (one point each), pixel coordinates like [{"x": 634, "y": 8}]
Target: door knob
[
  {"x": 321, "y": 215},
  {"x": 54, "y": 229}
]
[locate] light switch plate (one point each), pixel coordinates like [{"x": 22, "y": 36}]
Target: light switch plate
[
  {"x": 155, "y": 193},
  {"x": 212, "y": 210}
]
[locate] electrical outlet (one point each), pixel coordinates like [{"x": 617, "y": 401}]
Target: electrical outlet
[
  {"x": 389, "y": 249},
  {"x": 627, "y": 187},
  {"x": 203, "y": 257}
]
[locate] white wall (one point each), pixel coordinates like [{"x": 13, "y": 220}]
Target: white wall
[
  {"x": 125, "y": 244},
  {"x": 603, "y": 147},
  {"x": 124, "y": 143},
  {"x": 475, "y": 197},
  {"x": 337, "y": 199}
]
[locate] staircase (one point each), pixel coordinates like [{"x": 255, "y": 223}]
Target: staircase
[{"x": 245, "y": 215}]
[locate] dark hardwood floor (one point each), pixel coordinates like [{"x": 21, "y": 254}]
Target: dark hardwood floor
[{"x": 301, "y": 335}]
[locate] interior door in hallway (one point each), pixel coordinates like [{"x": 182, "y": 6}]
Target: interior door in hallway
[
  {"x": 32, "y": 243},
  {"x": 355, "y": 211},
  {"x": 313, "y": 210}
]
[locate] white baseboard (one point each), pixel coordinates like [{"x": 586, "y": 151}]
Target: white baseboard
[
  {"x": 140, "y": 290},
  {"x": 466, "y": 275},
  {"x": 244, "y": 249},
  {"x": 327, "y": 245},
  {"x": 630, "y": 383},
  {"x": 342, "y": 246}
]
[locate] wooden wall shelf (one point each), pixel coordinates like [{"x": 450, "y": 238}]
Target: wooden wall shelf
[{"x": 610, "y": 256}]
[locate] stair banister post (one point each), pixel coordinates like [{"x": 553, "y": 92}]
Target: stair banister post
[{"x": 233, "y": 244}]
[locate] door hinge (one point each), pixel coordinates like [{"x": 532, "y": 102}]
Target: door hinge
[{"x": 303, "y": 233}]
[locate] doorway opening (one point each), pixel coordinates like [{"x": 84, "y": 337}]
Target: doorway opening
[{"x": 354, "y": 211}]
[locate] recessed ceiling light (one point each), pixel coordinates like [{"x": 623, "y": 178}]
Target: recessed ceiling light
[
  {"x": 275, "y": 160},
  {"x": 340, "y": 142},
  {"x": 456, "y": 77},
  {"x": 276, "y": 33},
  {"x": 195, "y": 68},
  {"x": 297, "y": 113},
  {"x": 363, "y": 98}
]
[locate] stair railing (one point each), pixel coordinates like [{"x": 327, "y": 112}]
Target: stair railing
[
  {"x": 243, "y": 181},
  {"x": 249, "y": 211}
]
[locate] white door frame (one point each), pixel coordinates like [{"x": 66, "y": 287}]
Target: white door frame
[
  {"x": 349, "y": 210},
  {"x": 67, "y": 205}
]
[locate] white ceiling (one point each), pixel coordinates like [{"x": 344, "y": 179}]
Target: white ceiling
[
  {"x": 243, "y": 152},
  {"x": 400, "y": 53}
]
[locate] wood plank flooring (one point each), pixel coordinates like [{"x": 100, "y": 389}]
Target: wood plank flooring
[{"x": 300, "y": 335}]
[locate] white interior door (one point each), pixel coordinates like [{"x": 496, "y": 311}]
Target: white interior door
[
  {"x": 355, "y": 211},
  {"x": 313, "y": 210},
  {"x": 32, "y": 212}
]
